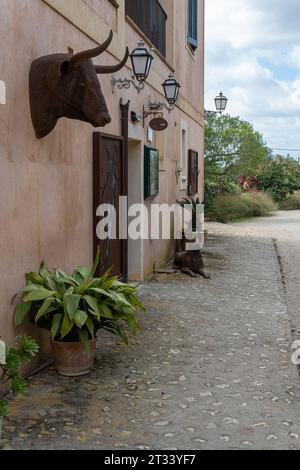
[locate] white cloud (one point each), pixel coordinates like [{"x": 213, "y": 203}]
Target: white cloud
[{"x": 253, "y": 56}]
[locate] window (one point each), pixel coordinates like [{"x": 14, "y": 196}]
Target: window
[
  {"x": 193, "y": 23},
  {"x": 193, "y": 173},
  {"x": 150, "y": 17},
  {"x": 151, "y": 173}
]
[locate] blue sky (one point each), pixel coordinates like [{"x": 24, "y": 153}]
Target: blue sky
[{"x": 253, "y": 56}]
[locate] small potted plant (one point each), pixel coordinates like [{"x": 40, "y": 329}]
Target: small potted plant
[
  {"x": 26, "y": 348},
  {"x": 74, "y": 307},
  {"x": 193, "y": 204}
]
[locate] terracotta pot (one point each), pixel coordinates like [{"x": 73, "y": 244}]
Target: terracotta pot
[{"x": 71, "y": 360}]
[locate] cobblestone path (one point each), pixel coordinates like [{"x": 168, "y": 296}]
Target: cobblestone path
[{"x": 210, "y": 369}]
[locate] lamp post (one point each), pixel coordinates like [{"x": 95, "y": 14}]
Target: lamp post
[
  {"x": 141, "y": 60},
  {"x": 221, "y": 104}
]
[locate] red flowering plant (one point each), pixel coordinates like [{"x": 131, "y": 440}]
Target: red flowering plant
[{"x": 250, "y": 184}]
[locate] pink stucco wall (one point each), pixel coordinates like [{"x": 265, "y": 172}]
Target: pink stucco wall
[{"x": 46, "y": 186}]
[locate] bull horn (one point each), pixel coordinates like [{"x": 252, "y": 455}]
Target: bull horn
[
  {"x": 90, "y": 53},
  {"x": 101, "y": 69}
]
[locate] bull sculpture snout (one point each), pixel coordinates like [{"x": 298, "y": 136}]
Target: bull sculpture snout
[{"x": 62, "y": 85}]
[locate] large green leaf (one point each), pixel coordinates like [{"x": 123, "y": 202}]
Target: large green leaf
[
  {"x": 44, "y": 309},
  {"x": 56, "y": 322},
  {"x": 38, "y": 295},
  {"x": 34, "y": 278},
  {"x": 131, "y": 322},
  {"x": 80, "y": 318},
  {"x": 84, "y": 272},
  {"x": 85, "y": 286},
  {"x": 90, "y": 326},
  {"x": 93, "y": 303},
  {"x": 31, "y": 287},
  {"x": 84, "y": 338},
  {"x": 105, "y": 311},
  {"x": 96, "y": 262},
  {"x": 71, "y": 303},
  {"x": 103, "y": 292},
  {"x": 66, "y": 326},
  {"x": 93, "y": 314},
  {"x": 21, "y": 312}
]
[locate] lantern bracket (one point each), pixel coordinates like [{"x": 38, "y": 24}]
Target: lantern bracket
[
  {"x": 126, "y": 83},
  {"x": 156, "y": 110}
]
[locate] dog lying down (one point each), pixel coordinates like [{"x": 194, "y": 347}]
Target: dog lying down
[{"x": 191, "y": 263}]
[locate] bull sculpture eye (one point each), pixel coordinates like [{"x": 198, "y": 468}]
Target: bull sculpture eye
[{"x": 54, "y": 81}]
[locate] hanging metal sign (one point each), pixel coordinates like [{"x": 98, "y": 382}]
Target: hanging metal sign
[{"x": 158, "y": 124}]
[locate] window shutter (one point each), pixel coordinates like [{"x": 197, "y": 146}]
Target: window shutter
[
  {"x": 193, "y": 173},
  {"x": 151, "y": 18},
  {"x": 151, "y": 173},
  {"x": 193, "y": 23}
]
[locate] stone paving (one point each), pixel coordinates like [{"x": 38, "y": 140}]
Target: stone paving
[{"x": 210, "y": 368}]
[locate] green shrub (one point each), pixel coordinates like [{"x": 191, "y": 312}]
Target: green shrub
[
  {"x": 292, "y": 203},
  {"x": 26, "y": 348},
  {"x": 212, "y": 191},
  {"x": 229, "y": 208}
]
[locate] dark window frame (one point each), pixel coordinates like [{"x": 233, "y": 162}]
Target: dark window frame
[
  {"x": 192, "y": 35},
  {"x": 151, "y": 19}
]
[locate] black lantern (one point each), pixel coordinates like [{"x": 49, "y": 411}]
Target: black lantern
[
  {"x": 171, "y": 88},
  {"x": 221, "y": 103},
  {"x": 141, "y": 60}
]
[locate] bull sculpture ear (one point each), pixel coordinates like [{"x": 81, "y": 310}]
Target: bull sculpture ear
[
  {"x": 64, "y": 67},
  {"x": 102, "y": 69}
]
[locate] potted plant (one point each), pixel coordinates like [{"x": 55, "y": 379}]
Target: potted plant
[
  {"x": 74, "y": 308},
  {"x": 26, "y": 348},
  {"x": 193, "y": 204}
]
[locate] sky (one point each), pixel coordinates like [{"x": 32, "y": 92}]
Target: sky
[{"x": 253, "y": 57}]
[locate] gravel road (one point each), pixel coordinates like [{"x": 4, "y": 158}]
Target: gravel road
[{"x": 210, "y": 369}]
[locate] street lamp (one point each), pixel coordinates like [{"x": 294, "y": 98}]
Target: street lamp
[
  {"x": 171, "y": 88},
  {"x": 221, "y": 104},
  {"x": 141, "y": 60}
]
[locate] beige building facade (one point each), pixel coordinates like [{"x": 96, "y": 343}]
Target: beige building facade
[{"x": 46, "y": 185}]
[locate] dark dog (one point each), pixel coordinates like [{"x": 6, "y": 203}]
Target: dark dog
[{"x": 191, "y": 263}]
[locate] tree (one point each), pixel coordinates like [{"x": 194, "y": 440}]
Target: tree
[
  {"x": 280, "y": 177},
  {"x": 232, "y": 147}
]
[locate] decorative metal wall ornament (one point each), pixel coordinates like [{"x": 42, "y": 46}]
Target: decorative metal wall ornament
[
  {"x": 141, "y": 60},
  {"x": 156, "y": 110},
  {"x": 62, "y": 85}
]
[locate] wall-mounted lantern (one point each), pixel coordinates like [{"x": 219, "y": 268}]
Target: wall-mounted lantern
[
  {"x": 141, "y": 60},
  {"x": 171, "y": 88}
]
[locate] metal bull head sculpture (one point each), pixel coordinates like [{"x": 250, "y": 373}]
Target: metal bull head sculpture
[{"x": 62, "y": 85}]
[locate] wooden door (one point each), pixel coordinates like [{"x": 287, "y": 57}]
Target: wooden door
[{"x": 110, "y": 182}]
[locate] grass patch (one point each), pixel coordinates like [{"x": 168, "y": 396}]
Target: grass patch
[
  {"x": 231, "y": 208},
  {"x": 292, "y": 203}
]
